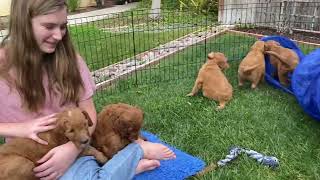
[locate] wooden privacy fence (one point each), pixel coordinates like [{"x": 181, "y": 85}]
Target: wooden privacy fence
[{"x": 297, "y": 14}]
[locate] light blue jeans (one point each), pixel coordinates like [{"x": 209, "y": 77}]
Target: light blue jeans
[{"x": 121, "y": 167}]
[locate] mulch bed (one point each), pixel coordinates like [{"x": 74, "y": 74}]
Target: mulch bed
[{"x": 312, "y": 37}]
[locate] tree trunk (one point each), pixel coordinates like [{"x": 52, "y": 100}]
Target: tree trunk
[
  {"x": 155, "y": 9},
  {"x": 99, "y": 3}
]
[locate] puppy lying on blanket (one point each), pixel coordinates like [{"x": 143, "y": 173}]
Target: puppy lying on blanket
[
  {"x": 212, "y": 81},
  {"x": 19, "y": 156},
  {"x": 252, "y": 67},
  {"x": 285, "y": 60},
  {"x": 117, "y": 126}
]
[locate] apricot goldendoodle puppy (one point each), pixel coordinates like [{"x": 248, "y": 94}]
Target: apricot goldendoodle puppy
[
  {"x": 19, "y": 156},
  {"x": 117, "y": 126},
  {"x": 212, "y": 81},
  {"x": 284, "y": 59},
  {"x": 252, "y": 67}
]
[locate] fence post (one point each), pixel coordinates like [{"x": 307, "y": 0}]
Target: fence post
[
  {"x": 206, "y": 28},
  {"x": 134, "y": 49}
]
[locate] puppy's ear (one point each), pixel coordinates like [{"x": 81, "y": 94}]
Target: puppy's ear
[
  {"x": 66, "y": 125},
  {"x": 261, "y": 45},
  {"x": 121, "y": 126},
  {"x": 211, "y": 55},
  {"x": 62, "y": 120},
  {"x": 86, "y": 115},
  {"x": 277, "y": 43},
  {"x": 118, "y": 125}
]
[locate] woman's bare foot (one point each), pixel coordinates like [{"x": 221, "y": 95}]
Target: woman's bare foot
[
  {"x": 147, "y": 165},
  {"x": 155, "y": 150}
]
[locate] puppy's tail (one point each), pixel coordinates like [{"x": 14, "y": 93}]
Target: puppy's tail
[
  {"x": 248, "y": 69},
  {"x": 282, "y": 59}
]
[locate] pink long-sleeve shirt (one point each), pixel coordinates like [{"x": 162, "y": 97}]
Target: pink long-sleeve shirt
[{"x": 11, "y": 109}]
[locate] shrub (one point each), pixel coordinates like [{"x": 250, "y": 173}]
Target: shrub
[
  {"x": 73, "y": 5},
  {"x": 200, "y": 6},
  {"x": 197, "y": 6}
]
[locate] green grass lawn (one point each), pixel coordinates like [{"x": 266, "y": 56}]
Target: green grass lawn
[
  {"x": 101, "y": 46},
  {"x": 266, "y": 119}
]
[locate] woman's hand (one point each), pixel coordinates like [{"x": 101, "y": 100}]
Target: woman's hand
[
  {"x": 56, "y": 162},
  {"x": 30, "y": 129}
]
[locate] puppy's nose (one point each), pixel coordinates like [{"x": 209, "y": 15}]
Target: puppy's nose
[{"x": 85, "y": 141}]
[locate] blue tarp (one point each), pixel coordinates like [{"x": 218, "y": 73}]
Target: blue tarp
[
  {"x": 306, "y": 84},
  {"x": 305, "y": 80}
]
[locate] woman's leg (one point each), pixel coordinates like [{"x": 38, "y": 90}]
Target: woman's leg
[{"x": 122, "y": 166}]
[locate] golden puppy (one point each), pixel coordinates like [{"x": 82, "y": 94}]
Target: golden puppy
[
  {"x": 284, "y": 59},
  {"x": 117, "y": 126},
  {"x": 212, "y": 81},
  {"x": 252, "y": 67},
  {"x": 273, "y": 60},
  {"x": 19, "y": 156}
]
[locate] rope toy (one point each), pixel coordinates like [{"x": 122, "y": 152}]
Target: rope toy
[{"x": 270, "y": 161}]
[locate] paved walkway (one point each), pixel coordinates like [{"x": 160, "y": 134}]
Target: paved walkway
[
  {"x": 99, "y": 14},
  {"x": 91, "y": 15}
]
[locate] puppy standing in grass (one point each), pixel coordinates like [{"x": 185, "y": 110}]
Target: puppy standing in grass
[
  {"x": 284, "y": 59},
  {"x": 252, "y": 67},
  {"x": 212, "y": 81}
]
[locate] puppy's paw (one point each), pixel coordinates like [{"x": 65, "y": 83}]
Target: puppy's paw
[
  {"x": 190, "y": 94},
  {"x": 268, "y": 52},
  {"x": 220, "y": 107},
  {"x": 101, "y": 158},
  {"x": 285, "y": 83},
  {"x": 253, "y": 86},
  {"x": 92, "y": 151}
]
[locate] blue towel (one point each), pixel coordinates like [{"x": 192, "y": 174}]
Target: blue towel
[{"x": 182, "y": 167}]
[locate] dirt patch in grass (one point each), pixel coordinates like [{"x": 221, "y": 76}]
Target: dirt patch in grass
[{"x": 312, "y": 37}]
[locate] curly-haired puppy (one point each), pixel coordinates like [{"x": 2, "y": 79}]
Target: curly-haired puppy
[
  {"x": 117, "y": 126},
  {"x": 273, "y": 60},
  {"x": 252, "y": 67},
  {"x": 283, "y": 59},
  {"x": 212, "y": 81},
  {"x": 19, "y": 156}
]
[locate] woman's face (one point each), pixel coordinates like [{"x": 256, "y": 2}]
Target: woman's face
[{"x": 49, "y": 29}]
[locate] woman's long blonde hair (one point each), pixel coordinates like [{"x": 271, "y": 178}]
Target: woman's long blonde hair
[{"x": 29, "y": 64}]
